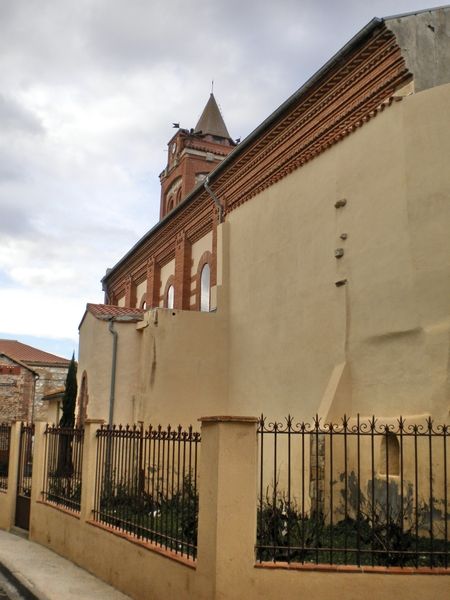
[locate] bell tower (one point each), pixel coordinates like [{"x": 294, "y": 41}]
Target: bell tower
[{"x": 192, "y": 154}]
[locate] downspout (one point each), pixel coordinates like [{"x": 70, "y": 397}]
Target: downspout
[
  {"x": 112, "y": 388},
  {"x": 36, "y": 376},
  {"x": 214, "y": 198}
]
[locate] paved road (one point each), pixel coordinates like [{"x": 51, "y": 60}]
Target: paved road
[
  {"x": 48, "y": 576},
  {"x": 8, "y": 591}
]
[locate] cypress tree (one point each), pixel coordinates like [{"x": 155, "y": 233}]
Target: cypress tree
[
  {"x": 65, "y": 466},
  {"x": 70, "y": 396}
]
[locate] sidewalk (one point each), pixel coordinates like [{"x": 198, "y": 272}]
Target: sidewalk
[{"x": 46, "y": 575}]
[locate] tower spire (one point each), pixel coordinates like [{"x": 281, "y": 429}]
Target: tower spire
[
  {"x": 211, "y": 121},
  {"x": 192, "y": 154}
]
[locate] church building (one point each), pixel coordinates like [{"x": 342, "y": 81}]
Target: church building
[{"x": 305, "y": 270}]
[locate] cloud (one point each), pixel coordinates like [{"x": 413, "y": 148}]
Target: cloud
[
  {"x": 35, "y": 315},
  {"x": 13, "y": 222},
  {"x": 16, "y": 118}
]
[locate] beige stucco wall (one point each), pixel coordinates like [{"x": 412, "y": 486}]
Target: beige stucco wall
[
  {"x": 171, "y": 368},
  {"x": 54, "y": 411},
  {"x": 95, "y": 357},
  {"x": 280, "y": 583},
  {"x": 183, "y": 367},
  {"x": 290, "y": 326},
  {"x": 136, "y": 570},
  {"x": 8, "y": 495},
  {"x": 125, "y": 565},
  {"x": 4, "y": 510},
  {"x": 285, "y": 339}
]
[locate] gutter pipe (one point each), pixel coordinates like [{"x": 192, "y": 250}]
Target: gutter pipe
[
  {"x": 214, "y": 198},
  {"x": 113, "y": 371},
  {"x": 36, "y": 376}
]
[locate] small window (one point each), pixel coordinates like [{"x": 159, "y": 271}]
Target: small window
[
  {"x": 143, "y": 302},
  {"x": 205, "y": 288},
  {"x": 390, "y": 455},
  {"x": 170, "y": 297}
]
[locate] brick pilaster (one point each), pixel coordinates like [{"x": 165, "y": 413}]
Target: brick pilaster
[
  {"x": 182, "y": 272},
  {"x": 128, "y": 291},
  {"x": 153, "y": 283}
]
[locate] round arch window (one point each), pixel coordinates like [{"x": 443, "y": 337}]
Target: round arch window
[
  {"x": 205, "y": 288},
  {"x": 170, "y": 297}
]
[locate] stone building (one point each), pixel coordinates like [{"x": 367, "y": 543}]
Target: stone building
[
  {"x": 17, "y": 389},
  {"x": 309, "y": 272},
  {"x": 27, "y": 374}
]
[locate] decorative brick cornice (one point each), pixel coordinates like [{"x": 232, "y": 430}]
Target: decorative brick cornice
[
  {"x": 212, "y": 148},
  {"x": 350, "y": 93},
  {"x": 346, "y": 98}
]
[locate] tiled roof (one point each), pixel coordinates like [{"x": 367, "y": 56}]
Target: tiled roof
[
  {"x": 106, "y": 311},
  {"x": 29, "y": 355},
  {"x": 55, "y": 394},
  {"x": 18, "y": 362}
]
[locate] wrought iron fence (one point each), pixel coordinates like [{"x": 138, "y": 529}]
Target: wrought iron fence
[
  {"x": 25, "y": 460},
  {"x": 358, "y": 493},
  {"x": 146, "y": 484},
  {"x": 63, "y": 466},
  {"x": 5, "y": 440}
]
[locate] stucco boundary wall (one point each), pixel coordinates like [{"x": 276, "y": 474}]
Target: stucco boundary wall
[
  {"x": 8, "y": 496},
  {"x": 225, "y": 568}
]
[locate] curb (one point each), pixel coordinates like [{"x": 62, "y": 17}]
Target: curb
[{"x": 17, "y": 583}]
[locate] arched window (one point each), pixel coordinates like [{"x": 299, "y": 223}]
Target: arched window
[
  {"x": 204, "y": 280},
  {"x": 143, "y": 302},
  {"x": 170, "y": 297},
  {"x": 390, "y": 454},
  {"x": 205, "y": 288}
]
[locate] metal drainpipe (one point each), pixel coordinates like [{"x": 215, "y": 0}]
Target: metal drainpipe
[
  {"x": 215, "y": 198},
  {"x": 36, "y": 376},
  {"x": 113, "y": 371}
]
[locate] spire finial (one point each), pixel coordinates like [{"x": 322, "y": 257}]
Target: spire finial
[
  {"x": 211, "y": 121},
  {"x": 212, "y": 86}
]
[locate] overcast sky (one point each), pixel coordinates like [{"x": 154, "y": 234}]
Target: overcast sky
[{"x": 88, "y": 92}]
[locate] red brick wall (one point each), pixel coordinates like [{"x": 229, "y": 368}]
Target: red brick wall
[
  {"x": 16, "y": 391},
  {"x": 186, "y": 166}
]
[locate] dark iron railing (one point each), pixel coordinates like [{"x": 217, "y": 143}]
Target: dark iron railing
[
  {"x": 358, "y": 493},
  {"x": 63, "y": 466},
  {"x": 25, "y": 460},
  {"x": 5, "y": 440},
  {"x": 146, "y": 485}
]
